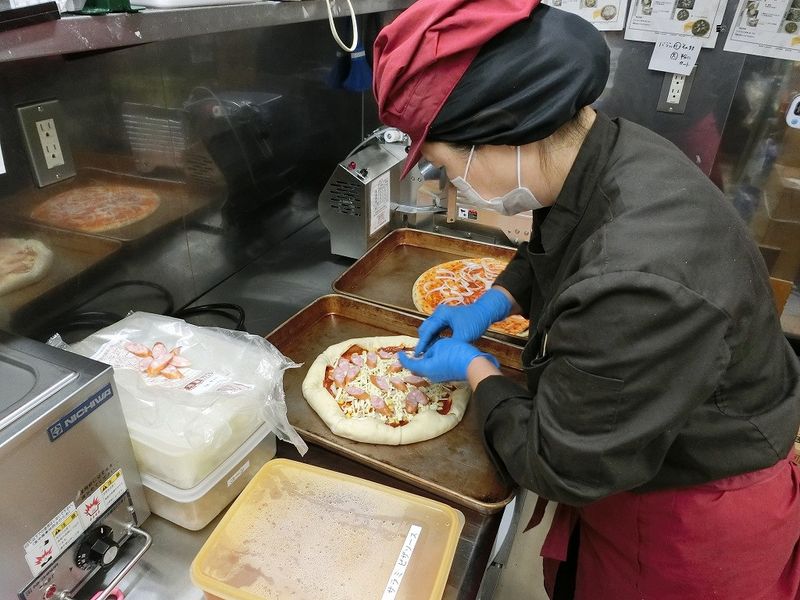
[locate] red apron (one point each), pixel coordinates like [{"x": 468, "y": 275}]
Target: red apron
[{"x": 734, "y": 539}]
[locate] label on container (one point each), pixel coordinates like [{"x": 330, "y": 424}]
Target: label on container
[
  {"x": 239, "y": 472},
  {"x": 379, "y": 203},
  {"x": 399, "y": 571}
]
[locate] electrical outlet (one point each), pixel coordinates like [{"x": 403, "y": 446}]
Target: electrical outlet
[
  {"x": 43, "y": 127},
  {"x": 675, "y": 92},
  {"x": 48, "y": 137}
]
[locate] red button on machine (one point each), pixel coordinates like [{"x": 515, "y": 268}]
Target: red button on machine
[
  {"x": 351, "y": 166},
  {"x": 50, "y": 592}
]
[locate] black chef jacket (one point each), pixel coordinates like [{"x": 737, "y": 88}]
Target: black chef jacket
[{"x": 656, "y": 359}]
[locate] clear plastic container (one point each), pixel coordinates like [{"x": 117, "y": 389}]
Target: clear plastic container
[
  {"x": 172, "y": 459},
  {"x": 298, "y": 531},
  {"x": 196, "y": 507}
]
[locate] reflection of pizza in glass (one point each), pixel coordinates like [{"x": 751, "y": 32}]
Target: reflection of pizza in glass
[{"x": 97, "y": 208}]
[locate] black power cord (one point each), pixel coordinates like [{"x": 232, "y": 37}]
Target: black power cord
[
  {"x": 97, "y": 319},
  {"x": 220, "y": 308}
]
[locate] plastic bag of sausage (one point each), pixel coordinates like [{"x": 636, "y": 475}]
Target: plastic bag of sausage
[{"x": 191, "y": 395}]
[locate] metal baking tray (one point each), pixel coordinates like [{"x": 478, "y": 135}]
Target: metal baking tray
[
  {"x": 73, "y": 254},
  {"x": 178, "y": 200},
  {"x": 454, "y": 465},
  {"x": 387, "y": 272}
]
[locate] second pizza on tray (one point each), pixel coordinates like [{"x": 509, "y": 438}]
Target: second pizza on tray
[
  {"x": 463, "y": 281},
  {"x": 97, "y": 208}
]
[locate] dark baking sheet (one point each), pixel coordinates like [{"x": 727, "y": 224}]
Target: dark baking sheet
[
  {"x": 73, "y": 254},
  {"x": 178, "y": 200},
  {"x": 454, "y": 465},
  {"x": 387, "y": 272}
]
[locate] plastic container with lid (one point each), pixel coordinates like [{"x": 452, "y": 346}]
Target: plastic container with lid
[
  {"x": 196, "y": 507},
  {"x": 303, "y": 532},
  {"x": 174, "y": 460}
]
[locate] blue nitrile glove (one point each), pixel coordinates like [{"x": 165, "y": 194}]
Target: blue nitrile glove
[
  {"x": 446, "y": 360},
  {"x": 467, "y": 322}
]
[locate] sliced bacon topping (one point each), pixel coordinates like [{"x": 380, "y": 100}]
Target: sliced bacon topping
[
  {"x": 145, "y": 363},
  {"x": 343, "y": 363},
  {"x": 357, "y": 359},
  {"x": 339, "y": 375},
  {"x": 352, "y": 373},
  {"x": 357, "y": 392},
  {"x": 385, "y": 354},
  {"x": 417, "y": 381},
  {"x": 395, "y": 367},
  {"x": 411, "y": 403},
  {"x": 398, "y": 383},
  {"x": 446, "y": 404},
  {"x": 372, "y": 360},
  {"x": 380, "y": 382},
  {"x": 379, "y": 405},
  {"x": 418, "y": 397},
  {"x": 159, "y": 350}
]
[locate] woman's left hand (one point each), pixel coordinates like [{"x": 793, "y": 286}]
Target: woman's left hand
[{"x": 446, "y": 360}]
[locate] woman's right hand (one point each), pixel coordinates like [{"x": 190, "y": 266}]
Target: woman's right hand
[{"x": 468, "y": 322}]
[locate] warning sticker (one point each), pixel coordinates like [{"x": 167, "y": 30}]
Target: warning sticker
[
  {"x": 100, "y": 500},
  {"x": 70, "y": 523},
  {"x": 52, "y": 539}
]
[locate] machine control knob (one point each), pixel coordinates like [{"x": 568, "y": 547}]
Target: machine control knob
[
  {"x": 97, "y": 549},
  {"x": 363, "y": 172}
]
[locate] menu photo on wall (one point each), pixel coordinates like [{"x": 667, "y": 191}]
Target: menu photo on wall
[
  {"x": 605, "y": 15},
  {"x": 766, "y": 28},
  {"x": 698, "y": 19}
]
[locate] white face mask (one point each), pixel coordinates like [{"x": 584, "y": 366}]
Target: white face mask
[{"x": 518, "y": 200}]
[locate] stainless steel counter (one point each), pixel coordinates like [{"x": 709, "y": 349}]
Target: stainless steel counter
[{"x": 271, "y": 289}]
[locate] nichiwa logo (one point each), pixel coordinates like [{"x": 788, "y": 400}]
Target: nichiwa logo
[{"x": 80, "y": 412}]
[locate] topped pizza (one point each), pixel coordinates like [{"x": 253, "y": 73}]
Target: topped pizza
[
  {"x": 97, "y": 208},
  {"x": 463, "y": 281},
  {"x": 362, "y": 392}
]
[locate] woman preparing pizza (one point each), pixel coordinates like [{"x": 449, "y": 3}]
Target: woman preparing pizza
[{"x": 662, "y": 397}]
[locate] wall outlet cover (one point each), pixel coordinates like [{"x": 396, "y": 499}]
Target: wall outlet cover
[
  {"x": 44, "y": 130},
  {"x": 675, "y": 92}
]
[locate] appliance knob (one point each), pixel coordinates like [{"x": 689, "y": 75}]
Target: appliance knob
[
  {"x": 363, "y": 172},
  {"x": 97, "y": 549}
]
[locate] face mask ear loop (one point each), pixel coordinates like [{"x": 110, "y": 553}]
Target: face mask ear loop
[
  {"x": 519, "y": 168},
  {"x": 469, "y": 161}
]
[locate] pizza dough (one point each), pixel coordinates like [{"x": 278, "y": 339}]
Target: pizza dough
[
  {"x": 461, "y": 282},
  {"x": 22, "y": 262},
  {"x": 372, "y": 428},
  {"x": 97, "y": 208}
]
